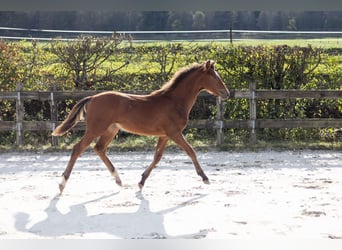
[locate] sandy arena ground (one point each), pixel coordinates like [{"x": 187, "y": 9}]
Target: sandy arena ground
[{"x": 252, "y": 195}]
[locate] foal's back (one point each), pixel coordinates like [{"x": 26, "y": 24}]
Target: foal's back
[{"x": 138, "y": 114}]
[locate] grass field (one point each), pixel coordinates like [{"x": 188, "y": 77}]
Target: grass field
[
  {"x": 320, "y": 43},
  {"x": 326, "y": 42}
]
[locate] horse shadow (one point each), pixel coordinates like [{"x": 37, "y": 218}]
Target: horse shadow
[{"x": 142, "y": 224}]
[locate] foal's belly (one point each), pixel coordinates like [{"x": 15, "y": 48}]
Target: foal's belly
[{"x": 141, "y": 130}]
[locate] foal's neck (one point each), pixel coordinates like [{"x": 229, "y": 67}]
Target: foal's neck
[{"x": 185, "y": 94}]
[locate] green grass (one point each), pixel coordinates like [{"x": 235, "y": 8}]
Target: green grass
[
  {"x": 147, "y": 144},
  {"x": 326, "y": 42},
  {"x": 317, "y": 42}
]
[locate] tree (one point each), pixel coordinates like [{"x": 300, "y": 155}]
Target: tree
[
  {"x": 221, "y": 20},
  {"x": 264, "y": 20},
  {"x": 279, "y": 20},
  {"x": 311, "y": 20},
  {"x": 247, "y": 19},
  {"x": 179, "y": 20},
  {"x": 84, "y": 56},
  {"x": 292, "y": 24},
  {"x": 333, "y": 20},
  {"x": 153, "y": 20},
  {"x": 198, "y": 20}
]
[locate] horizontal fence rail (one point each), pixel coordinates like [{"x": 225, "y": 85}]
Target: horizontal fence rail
[
  {"x": 14, "y": 33},
  {"x": 219, "y": 123}
]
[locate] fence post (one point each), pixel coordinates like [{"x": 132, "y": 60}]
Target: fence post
[
  {"x": 252, "y": 112},
  {"x": 19, "y": 115},
  {"x": 219, "y": 119},
  {"x": 54, "y": 115}
]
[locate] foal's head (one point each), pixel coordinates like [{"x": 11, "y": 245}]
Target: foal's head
[{"x": 212, "y": 82}]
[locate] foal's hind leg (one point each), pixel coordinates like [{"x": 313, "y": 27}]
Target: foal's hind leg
[
  {"x": 180, "y": 140},
  {"x": 157, "y": 156},
  {"x": 101, "y": 148},
  {"x": 76, "y": 152}
]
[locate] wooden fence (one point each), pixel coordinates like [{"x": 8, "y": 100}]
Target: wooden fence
[{"x": 252, "y": 94}]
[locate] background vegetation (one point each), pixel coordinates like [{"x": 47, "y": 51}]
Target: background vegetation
[
  {"x": 116, "y": 63},
  {"x": 170, "y": 20}
]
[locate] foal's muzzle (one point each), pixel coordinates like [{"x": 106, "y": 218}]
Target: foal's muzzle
[{"x": 224, "y": 94}]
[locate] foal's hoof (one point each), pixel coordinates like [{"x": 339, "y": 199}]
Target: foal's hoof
[
  {"x": 119, "y": 182},
  {"x": 140, "y": 186},
  {"x": 117, "y": 178},
  {"x": 206, "y": 181},
  {"x": 61, "y": 188}
]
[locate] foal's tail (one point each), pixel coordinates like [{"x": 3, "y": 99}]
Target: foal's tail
[{"x": 76, "y": 114}]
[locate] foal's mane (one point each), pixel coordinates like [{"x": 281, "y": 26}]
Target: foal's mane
[{"x": 177, "y": 78}]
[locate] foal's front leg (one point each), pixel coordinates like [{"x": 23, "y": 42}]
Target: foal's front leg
[
  {"x": 157, "y": 156},
  {"x": 101, "y": 148},
  {"x": 181, "y": 142}
]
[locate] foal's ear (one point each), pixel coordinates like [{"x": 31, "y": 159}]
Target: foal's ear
[{"x": 209, "y": 65}]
